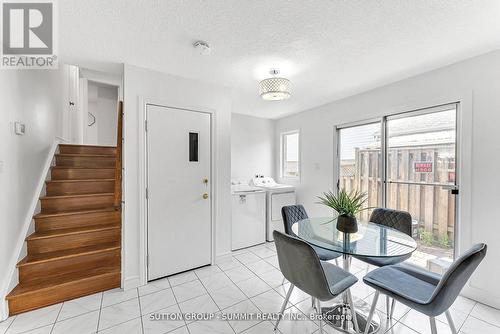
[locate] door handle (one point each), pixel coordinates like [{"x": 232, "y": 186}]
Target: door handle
[
  {"x": 205, "y": 196},
  {"x": 452, "y": 188}
]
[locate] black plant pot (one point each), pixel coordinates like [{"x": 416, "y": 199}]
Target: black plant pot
[{"x": 347, "y": 224}]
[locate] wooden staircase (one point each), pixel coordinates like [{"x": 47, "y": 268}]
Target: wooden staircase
[{"x": 76, "y": 247}]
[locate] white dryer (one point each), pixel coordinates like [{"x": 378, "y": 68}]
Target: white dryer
[
  {"x": 277, "y": 196},
  {"x": 248, "y": 215}
]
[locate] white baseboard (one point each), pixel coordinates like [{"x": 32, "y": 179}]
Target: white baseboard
[
  {"x": 62, "y": 140},
  {"x": 131, "y": 282},
  {"x": 223, "y": 254},
  {"x": 481, "y": 296}
]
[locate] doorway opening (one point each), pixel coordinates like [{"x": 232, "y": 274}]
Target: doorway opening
[
  {"x": 408, "y": 162},
  {"x": 91, "y": 106},
  {"x": 101, "y": 122}
]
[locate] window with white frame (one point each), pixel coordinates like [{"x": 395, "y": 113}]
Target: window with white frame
[{"x": 290, "y": 154}]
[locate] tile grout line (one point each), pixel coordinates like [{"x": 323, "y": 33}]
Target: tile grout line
[
  {"x": 208, "y": 292},
  {"x": 7, "y": 329},
  {"x": 140, "y": 307},
  {"x": 271, "y": 289},
  {"x": 396, "y": 321},
  {"x": 177, "y": 302},
  {"x": 58, "y": 313},
  {"x": 120, "y": 323},
  {"x": 489, "y": 323},
  {"x": 468, "y": 316},
  {"x": 247, "y": 298},
  {"x": 100, "y": 308}
]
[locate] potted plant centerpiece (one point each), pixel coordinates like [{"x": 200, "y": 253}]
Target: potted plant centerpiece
[{"x": 347, "y": 205}]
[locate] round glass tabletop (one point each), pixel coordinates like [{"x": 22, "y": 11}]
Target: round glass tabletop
[{"x": 371, "y": 240}]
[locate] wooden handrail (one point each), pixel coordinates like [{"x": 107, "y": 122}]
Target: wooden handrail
[{"x": 118, "y": 165}]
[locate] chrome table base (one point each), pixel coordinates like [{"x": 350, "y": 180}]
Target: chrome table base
[{"x": 339, "y": 317}]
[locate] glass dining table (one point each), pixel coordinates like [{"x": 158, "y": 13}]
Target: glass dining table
[{"x": 371, "y": 240}]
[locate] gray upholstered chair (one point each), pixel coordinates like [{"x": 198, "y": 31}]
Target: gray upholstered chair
[
  {"x": 424, "y": 291},
  {"x": 398, "y": 220},
  {"x": 301, "y": 266},
  {"x": 292, "y": 214}
]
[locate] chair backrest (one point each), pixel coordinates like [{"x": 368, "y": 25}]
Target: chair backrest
[
  {"x": 301, "y": 266},
  {"x": 456, "y": 277},
  {"x": 399, "y": 220},
  {"x": 292, "y": 214}
]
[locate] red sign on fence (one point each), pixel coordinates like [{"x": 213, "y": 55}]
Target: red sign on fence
[{"x": 423, "y": 167}]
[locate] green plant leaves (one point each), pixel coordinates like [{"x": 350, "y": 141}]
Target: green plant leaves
[{"x": 345, "y": 203}]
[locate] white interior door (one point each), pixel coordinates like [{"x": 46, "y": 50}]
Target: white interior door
[
  {"x": 72, "y": 119},
  {"x": 179, "y": 190}
]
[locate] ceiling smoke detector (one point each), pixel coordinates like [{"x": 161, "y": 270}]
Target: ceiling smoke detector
[
  {"x": 275, "y": 88},
  {"x": 203, "y": 48}
]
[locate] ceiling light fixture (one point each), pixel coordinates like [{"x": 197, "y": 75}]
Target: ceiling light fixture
[
  {"x": 202, "y": 47},
  {"x": 275, "y": 88}
]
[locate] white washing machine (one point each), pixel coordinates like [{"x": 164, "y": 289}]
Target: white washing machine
[
  {"x": 248, "y": 215},
  {"x": 277, "y": 196}
]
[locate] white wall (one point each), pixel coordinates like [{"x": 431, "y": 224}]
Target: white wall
[
  {"x": 35, "y": 99},
  {"x": 476, "y": 84},
  {"x": 252, "y": 146},
  {"x": 102, "y": 103},
  {"x": 142, "y": 85}
]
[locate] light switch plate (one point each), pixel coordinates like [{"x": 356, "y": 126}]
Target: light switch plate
[{"x": 20, "y": 128}]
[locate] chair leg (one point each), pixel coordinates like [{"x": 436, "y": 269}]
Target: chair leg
[
  {"x": 290, "y": 289},
  {"x": 387, "y": 306},
  {"x": 353, "y": 311},
  {"x": 450, "y": 322},
  {"x": 318, "y": 310},
  {"x": 392, "y": 308},
  {"x": 372, "y": 311},
  {"x": 337, "y": 262},
  {"x": 313, "y": 302},
  {"x": 433, "y": 325}
]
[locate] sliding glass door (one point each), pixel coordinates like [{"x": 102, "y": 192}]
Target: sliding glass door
[
  {"x": 409, "y": 165},
  {"x": 360, "y": 163}
]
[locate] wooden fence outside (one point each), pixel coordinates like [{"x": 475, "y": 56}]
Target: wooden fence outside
[{"x": 431, "y": 206}]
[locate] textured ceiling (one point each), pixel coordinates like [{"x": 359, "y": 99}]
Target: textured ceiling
[{"x": 329, "y": 49}]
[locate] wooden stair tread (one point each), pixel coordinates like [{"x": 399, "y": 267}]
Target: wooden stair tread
[
  {"x": 68, "y": 253},
  {"x": 85, "y": 155},
  {"x": 79, "y": 180},
  {"x": 70, "y": 231},
  {"x": 77, "y": 196},
  {"x": 79, "y": 145},
  {"x": 59, "y": 281},
  {"x": 79, "y": 167},
  {"x": 73, "y": 212}
]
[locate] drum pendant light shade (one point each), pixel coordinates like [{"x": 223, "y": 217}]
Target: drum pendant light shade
[{"x": 274, "y": 89}]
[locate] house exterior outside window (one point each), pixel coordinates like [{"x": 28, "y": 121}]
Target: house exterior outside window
[{"x": 290, "y": 154}]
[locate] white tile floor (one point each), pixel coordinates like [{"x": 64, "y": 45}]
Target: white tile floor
[{"x": 246, "y": 281}]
